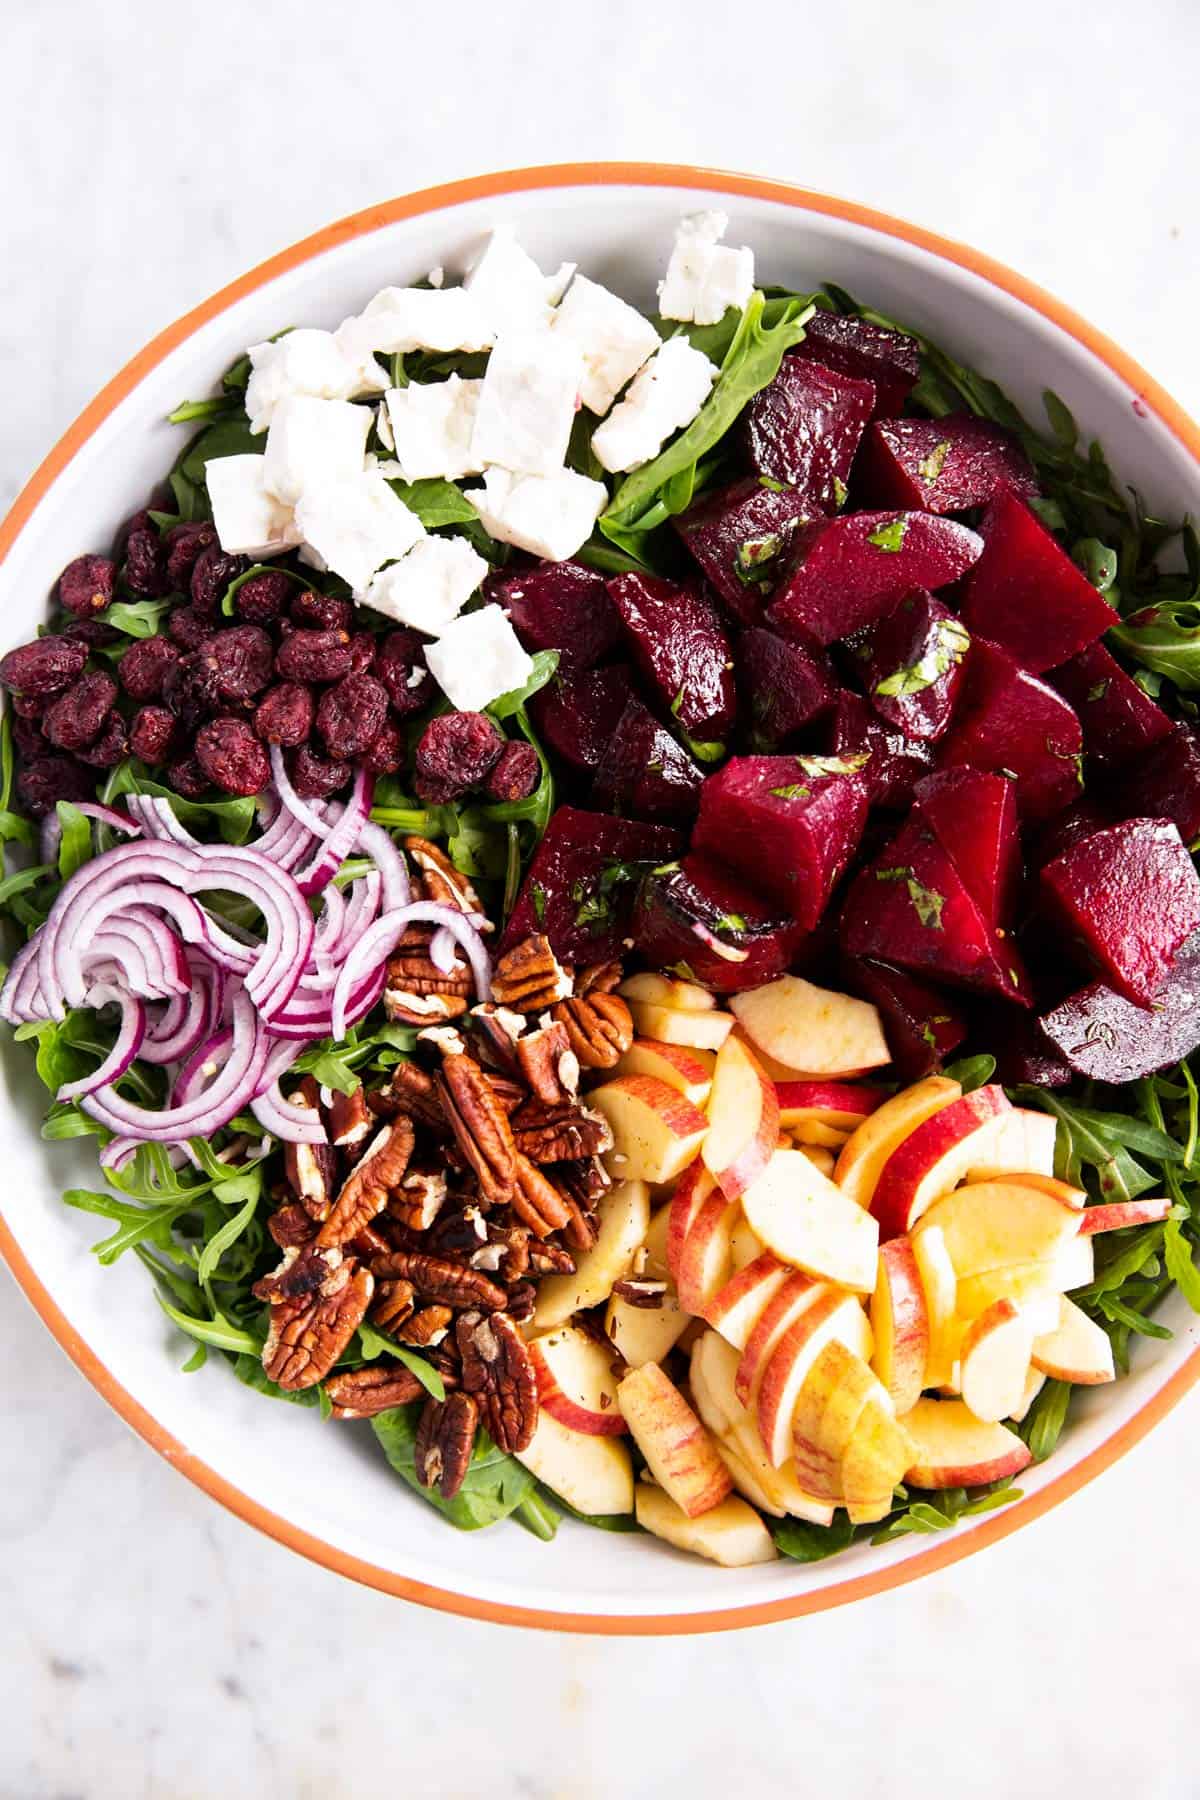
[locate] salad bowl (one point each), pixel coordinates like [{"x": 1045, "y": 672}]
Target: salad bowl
[{"x": 259, "y": 1461}]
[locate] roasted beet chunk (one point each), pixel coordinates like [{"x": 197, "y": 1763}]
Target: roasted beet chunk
[
  {"x": 385, "y": 752},
  {"x": 184, "y": 544},
  {"x": 49, "y": 779},
  {"x": 1119, "y": 719},
  {"x": 1026, "y": 594},
  {"x": 888, "y": 359},
  {"x": 739, "y": 535},
  {"x": 559, "y": 606},
  {"x": 921, "y": 1024},
  {"x": 514, "y": 774},
  {"x": 47, "y": 666},
  {"x": 350, "y": 714},
  {"x": 1165, "y": 781},
  {"x": 232, "y": 757},
  {"x": 845, "y": 573},
  {"x": 187, "y": 627},
  {"x": 803, "y": 429},
  {"x": 781, "y": 686},
  {"x": 913, "y": 666},
  {"x": 314, "y": 777},
  {"x": 942, "y": 465},
  {"x": 76, "y": 717},
  {"x": 400, "y": 665},
  {"x": 973, "y": 815},
  {"x": 211, "y": 575},
  {"x": 891, "y": 763},
  {"x": 144, "y": 570},
  {"x": 321, "y": 612},
  {"x": 314, "y": 656},
  {"x": 701, "y": 918},
  {"x": 1013, "y": 724},
  {"x": 143, "y": 669},
  {"x": 242, "y": 659},
  {"x": 1101, "y": 1035},
  {"x": 454, "y": 755},
  {"x": 581, "y": 883},
  {"x": 576, "y": 717},
  {"x": 644, "y": 772},
  {"x": 152, "y": 734},
  {"x": 85, "y": 586},
  {"x": 263, "y": 599},
  {"x": 681, "y": 647},
  {"x": 285, "y": 714}
]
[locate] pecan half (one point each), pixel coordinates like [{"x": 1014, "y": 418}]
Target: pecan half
[
  {"x": 497, "y": 1369},
  {"x": 559, "y": 1133},
  {"x": 599, "y": 978},
  {"x": 480, "y": 1125},
  {"x": 499, "y": 1030},
  {"x": 598, "y": 1026},
  {"x": 536, "y": 1201},
  {"x": 444, "y": 1441},
  {"x": 457, "y": 1234},
  {"x": 365, "y": 1192},
  {"x": 510, "y": 1094},
  {"x": 579, "y": 1229},
  {"x": 417, "y": 991},
  {"x": 441, "y": 881},
  {"x": 448, "y": 1283},
  {"x": 419, "y": 1199},
  {"x": 348, "y": 1120},
  {"x": 529, "y": 977},
  {"x": 429, "y": 1326},
  {"x": 304, "y": 1270},
  {"x": 291, "y": 1226},
  {"x": 393, "y": 1305},
  {"x": 306, "y": 1335},
  {"x": 311, "y": 1171},
  {"x": 411, "y": 1091},
  {"x": 550, "y": 1259},
  {"x": 361, "y": 1393},
  {"x": 549, "y": 1064},
  {"x": 522, "y": 1302},
  {"x": 586, "y": 1180}
]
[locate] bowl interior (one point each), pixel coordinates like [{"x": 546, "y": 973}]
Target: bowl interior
[{"x": 330, "y": 1481}]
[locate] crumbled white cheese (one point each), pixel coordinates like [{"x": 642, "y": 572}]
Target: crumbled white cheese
[
  {"x": 527, "y": 403},
  {"x": 510, "y": 287},
  {"x": 437, "y": 276},
  {"x": 430, "y": 586},
  {"x": 249, "y": 520},
  {"x": 478, "y": 658},
  {"x": 398, "y": 320},
  {"x": 665, "y": 397},
  {"x": 311, "y": 442},
  {"x": 612, "y": 336},
  {"x": 548, "y": 515},
  {"x": 306, "y": 362},
  {"x": 356, "y": 526},
  {"x": 430, "y": 426},
  {"x": 705, "y": 277},
  {"x": 383, "y": 426}
]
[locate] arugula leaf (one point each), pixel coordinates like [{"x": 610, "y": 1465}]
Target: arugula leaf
[
  {"x": 545, "y": 663},
  {"x": 950, "y": 643},
  {"x": 137, "y": 618},
  {"x": 495, "y": 1484},
  {"x": 75, "y": 844},
  {"x": 376, "y": 1343},
  {"x": 971, "y": 1072},
  {"x": 808, "y": 1543},
  {"x": 1043, "y": 1423},
  {"x": 233, "y": 818},
  {"x": 436, "y": 502}
]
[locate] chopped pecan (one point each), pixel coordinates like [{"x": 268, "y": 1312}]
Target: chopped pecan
[
  {"x": 307, "y": 1334},
  {"x": 522, "y": 1302},
  {"x": 365, "y": 1192},
  {"x": 586, "y": 1180},
  {"x": 417, "y": 991},
  {"x": 444, "y": 1441},
  {"x": 559, "y": 1133},
  {"x": 457, "y": 1233},
  {"x": 441, "y": 881},
  {"x": 550, "y": 1259},
  {"x": 411, "y": 1091},
  {"x": 419, "y": 1199},
  {"x": 480, "y": 1126},
  {"x": 499, "y": 1029},
  {"x": 579, "y": 1229},
  {"x": 649, "y": 1294},
  {"x": 599, "y": 978},
  {"x": 536, "y": 1201},
  {"x": 368, "y": 1243},
  {"x": 290, "y": 1226},
  {"x": 304, "y": 1270},
  {"x": 448, "y": 1283},
  {"x": 361, "y": 1393},
  {"x": 311, "y": 1171},
  {"x": 510, "y": 1094},
  {"x": 347, "y": 1119},
  {"x": 497, "y": 1369},
  {"x": 429, "y": 1326},
  {"x": 393, "y": 1305},
  {"x": 598, "y": 1026},
  {"x": 548, "y": 1063},
  {"x": 529, "y": 978}
]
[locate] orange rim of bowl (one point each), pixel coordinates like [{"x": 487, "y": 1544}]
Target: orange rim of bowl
[{"x": 436, "y": 199}]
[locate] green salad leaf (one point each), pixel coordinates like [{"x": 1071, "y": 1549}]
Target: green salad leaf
[{"x": 495, "y": 1485}]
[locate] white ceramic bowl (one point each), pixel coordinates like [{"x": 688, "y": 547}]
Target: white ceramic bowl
[{"x": 325, "y": 1489}]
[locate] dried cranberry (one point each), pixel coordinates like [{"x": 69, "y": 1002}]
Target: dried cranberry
[
  {"x": 350, "y": 714},
  {"x": 152, "y": 733},
  {"x": 27, "y": 736},
  {"x": 515, "y": 774},
  {"x": 313, "y": 777},
  {"x": 145, "y": 665},
  {"x": 455, "y": 753},
  {"x": 29, "y": 706},
  {"x": 232, "y": 757},
  {"x": 285, "y": 715},
  {"x": 76, "y": 716},
  {"x": 385, "y": 752},
  {"x": 188, "y": 627},
  {"x": 85, "y": 586},
  {"x": 49, "y": 779},
  {"x": 400, "y": 665},
  {"x": 261, "y": 600},
  {"x": 321, "y": 612},
  {"x": 92, "y": 632},
  {"x": 314, "y": 656},
  {"x": 211, "y": 575},
  {"x": 46, "y": 666},
  {"x": 190, "y": 689},
  {"x": 184, "y": 544},
  {"x": 138, "y": 521},
  {"x": 110, "y": 748},
  {"x": 242, "y": 659},
  {"x": 362, "y": 652},
  {"x": 144, "y": 571},
  {"x": 188, "y": 778}
]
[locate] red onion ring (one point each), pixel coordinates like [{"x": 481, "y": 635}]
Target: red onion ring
[
  {"x": 130, "y": 1033},
  {"x": 378, "y": 844},
  {"x": 228, "y": 1094},
  {"x": 379, "y": 942},
  {"x": 50, "y": 836},
  {"x": 291, "y": 800},
  {"x": 158, "y": 820},
  {"x": 341, "y": 839}
]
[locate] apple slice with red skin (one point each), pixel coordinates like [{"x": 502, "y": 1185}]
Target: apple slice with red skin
[
  {"x": 656, "y": 1131},
  {"x": 693, "y": 1029},
  {"x": 679, "y": 1452},
  {"x": 1022, "y": 1143},
  {"x": 935, "y": 1157},
  {"x": 812, "y": 1029},
  {"x": 622, "y": 1220},
  {"x": 832, "y": 1398},
  {"x": 835, "y": 1105},
  {"x": 688, "y": 1071},
  {"x": 899, "y": 1314},
  {"x": 1034, "y": 1288},
  {"x": 952, "y": 1448},
  {"x": 575, "y": 1382},
  {"x": 994, "y": 1360},
  {"x": 1077, "y": 1350},
  {"x": 831, "y": 1315},
  {"x": 994, "y": 1224},
  {"x": 810, "y": 1223},
  {"x": 875, "y": 1460},
  {"x": 691, "y": 1191},
  {"x": 667, "y": 990},
  {"x": 704, "y": 1262},
  {"x": 1035, "y": 1381},
  {"x": 743, "y": 1120},
  {"x": 736, "y": 1308},
  {"x": 869, "y": 1147},
  {"x": 780, "y": 1313},
  {"x": 1123, "y": 1213},
  {"x": 778, "y": 1491}
]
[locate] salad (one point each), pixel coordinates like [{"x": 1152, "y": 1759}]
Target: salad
[{"x": 616, "y": 893}]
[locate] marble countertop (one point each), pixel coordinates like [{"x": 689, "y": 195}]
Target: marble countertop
[{"x": 151, "y": 1645}]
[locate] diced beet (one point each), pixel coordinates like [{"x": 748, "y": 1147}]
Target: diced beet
[
  {"x": 973, "y": 815},
  {"x": 581, "y": 884},
  {"x": 895, "y": 763},
  {"x": 645, "y": 772},
  {"x": 1080, "y": 820},
  {"x": 559, "y": 606},
  {"x": 921, "y": 1024},
  {"x": 1013, "y": 724},
  {"x": 1164, "y": 783},
  {"x": 578, "y": 716},
  {"x": 682, "y": 649},
  {"x": 1023, "y": 1054},
  {"x": 942, "y": 465},
  {"x": 848, "y": 572},
  {"x": 913, "y": 667},
  {"x": 699, "y": 919},
  {"x": 739, "y": 535},
  {"x": 889, "y": 359},
  {"x": 1119, "y": 718},
  {"x": 1027, "y": 595},
  {"x": 912, "y": 907},
  {"x": 1104, "y": 1037},
  {"x": 787, "y": 824},
  {"x": 1130, "y": 896},
  {"x": 781, "y": 686},
  {"x": 804, "y": 428}
]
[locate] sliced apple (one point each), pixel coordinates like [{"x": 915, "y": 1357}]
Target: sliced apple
[
  {"x": 743, "y": 1245},
  {"x": 834, "y": 1107},
  {"x": 575, "y": 1381},
  {"x": 656, "y": 1132},
  {"x": 654, "y": 1264},
  {"x": 868, "y": 1148},
  {"x": 592, "y": 1474},
  {"x": 993, "y": 1225},
  {"x": 935, "y": 1157},
  {"x": 704, "y": 1262},
  {"x": 874, "y": 1464},
  {"x": 899, "y": 1314},
  {"x": 1075, "y": 1263},
  {"x": 1069, "y": 1196},
  {"x": 744, "y": 1477},
  {"x": 994, "y": 1360},
  {"x": 1076, "y": 1350},
  {"x": 831, "y": 1315},
  {"x": 692, "y": 1189},
  {"x": 808, "y": 1222},
  {"x": 713, "y": 1378},
  {"x": 1033, "y": 1287},
  {"x": 828, "y": 1405},
  {"x": 730, "y": 1533},
  {"x": 736, "y": 1308},
  {"x": 642, "y": 1334},
  {"x": 686, "y": 1070},
  {"x": 667, "y": 990},
  {"x": 824, "y": 1161},
  {"x": 952, "y": 1448},
  {"x": 1035, "y": 1381},
  {"x": 743, "y": 1119},
  {"x": 676, "y": 1025},
  {"x": 940, "y": 1287},
  {"x": 1022, "y": 1143},
  {"x": 778, "y": 1316},
  {"x": 811, "y": 1028},
  {"x": 1120, "y": 1214},
  {"x": 622, "y": 1216},
  {"x": 679, "y": 1452}
]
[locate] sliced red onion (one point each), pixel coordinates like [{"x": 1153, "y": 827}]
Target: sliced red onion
[
  {"x": 118, "y": 1151},
  {"x": 229, "y": 1093},
  {"x": 378, "y": 844},
  {"x": 331, "y": 922},
  {"x": 286, "y": 840},
  {"x": 310, "y": 1015},
  {"x": 291, "y": 1124},
  {"x": 443, "y": 952},
  {"x": 158, "y": 819},
  {"x": 298, "y": 808},
  {"x": 51, "y": 832},
  {"x": 729, "y": 952},
  {"x": 341, "y": 839},
  {"x": 184, "y": 1022},
  {"x": 377, "y": 944},
  {"x": 146, "y": 949},
  {"x": 21, "y": 1001},
  {"x": 130, "y": 1033}
]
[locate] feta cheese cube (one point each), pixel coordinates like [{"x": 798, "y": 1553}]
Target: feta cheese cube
[
  {"x": 250, "y": 521},
  {"x": 430, "y": 586},
  {"x": 311, "y": 442},
  {"x": 356, "y": 525},
  {"x": 704, "y": 277},
  {"x": 398, "y": 320},
  {"x": 511, "y": 288},
  {"x": 306, "y": 362},
  {"x": 548, "y": 515},
  {"x": 612, "y": 337},
  {"x": 478, "y": 658},
  {"x": 527, "y": 403},
  {"x": 664, "y": 398},
  {"x": 431, "y": 425}
]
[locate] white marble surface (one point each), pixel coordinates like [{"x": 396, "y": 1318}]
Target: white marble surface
[{"x": 150, "y": 1645}]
